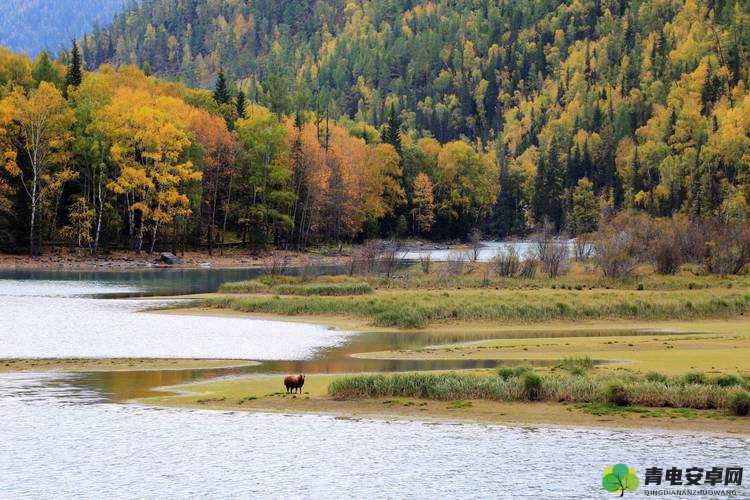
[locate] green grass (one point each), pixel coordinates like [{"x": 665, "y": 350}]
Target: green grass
[
  {"x": 417, "y": 309},
  {"x": 290, "y": 286},
  {"x": 623, "y": 390},
  {"x": 580, "y": 277}
]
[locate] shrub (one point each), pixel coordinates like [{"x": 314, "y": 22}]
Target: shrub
[
  {"x": 506, "y": 263},
  {"x": 551, "y": 252},
  {"x": 739, "y": 403},
  {"x": 583, "y": 247},
  {"x": 728, "y": 381},
  {"x": 616, "y": 394},
  {"x": 531, "y": 385},
  {"x": 666, "y": 254},
  {"x": 250, "y": 286},
  {"x": 576, "y": 363},
  {"x": 475, "y": 244},
  {"x": 529, "y": 267},
  {"x": 325, "y": 289},
  {"x": 425, "y": 261},
  {"x": 695, "y": 378},
  {"x": 520, "y": 370},
  {"x": 506, "y": 372},
  {"x": 657, "y": 377},
  {"x": 577, "y": 371},
  {"x": 728, "y": 247},
  {"x": 455, "y": 263}
]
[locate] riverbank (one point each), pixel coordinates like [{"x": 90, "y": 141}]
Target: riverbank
[
  {"x": 265, "y": 394},
  {"x": 123, "y": 261},
  {"x": 117, "y": 364}
]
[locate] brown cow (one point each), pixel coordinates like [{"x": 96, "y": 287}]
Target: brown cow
[{"x": 294, "y": 383}]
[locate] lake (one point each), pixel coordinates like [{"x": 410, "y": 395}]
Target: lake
[{"x": 67, "y": 436}]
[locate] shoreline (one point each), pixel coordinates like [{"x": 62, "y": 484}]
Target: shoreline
[
  {"x": 111, "y": 365},
  {"x": 262, "y": 393},
  {"x": 481, "y": 412},
  {"x": 131, "y": 261}
]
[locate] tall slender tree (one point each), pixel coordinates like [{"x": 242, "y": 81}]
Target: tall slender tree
[
  {"x": 241, "y": 104},
  {"x": 221, "y": 92},
  {"x": 75, "y": 73},
  {"x": 392, "y": 133}
]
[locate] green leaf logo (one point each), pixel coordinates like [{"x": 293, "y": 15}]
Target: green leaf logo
[{"x": 620, "y": 478}]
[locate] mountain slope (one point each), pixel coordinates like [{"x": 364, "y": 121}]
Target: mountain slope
[
  {"x": 647, "y": 99},
  {"x": 33, "y": 25}
]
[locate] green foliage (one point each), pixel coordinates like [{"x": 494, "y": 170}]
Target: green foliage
[
  {"x": 657, "y": 377},
  {"x": 728, "y": 381},
  {"x": 617, "y": 395},
  {"x": 576, "y": 363},
  {"x": 74, "y": 76},
  {"x": 739, "y": 404},
  {"x": 695, "y": 378},
  {"x": 416, "y": 310},
  {"x": 558, "y": 91},
  {"x": 531, "y": 384},
  {"x": 608, "y": 391},
  {"x": 221, "y": 91}
]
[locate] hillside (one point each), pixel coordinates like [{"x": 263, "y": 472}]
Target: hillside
[
  {"x": 34, "y": 25},
  {"x": 643, "y": 98}
]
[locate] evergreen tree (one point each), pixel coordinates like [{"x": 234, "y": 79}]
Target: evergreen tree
[
  {"x": 241, "y": 104},
  {"x": 583, "y": 217},
  {"x": 44, "y": 71},
  {"x": 221, "y": 92},
  {"x": 392, "y": 133},
  {"x": 75, "y": 74}
]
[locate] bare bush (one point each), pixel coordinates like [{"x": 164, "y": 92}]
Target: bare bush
[
  {"x": 455, "y": 263},
  {"x": 583, "y": 247},
  {"x": 425, "y": 262},
  {"x": 278, "y": 264},
  {"x": 551, "y": 251},
  {"x": 368, "y": 255},
  {"x": 665, "y": 251},
  {"x": 507, "y": 262},
  {"x": 390, "y": 257},
  {"x": 529, "y": 266},
  {"x": 728, "y": 247},
  {"x": 475, "y": 244},
  {"x": 614, "y": 250}
]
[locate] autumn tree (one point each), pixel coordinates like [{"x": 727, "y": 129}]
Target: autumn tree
[
  {"x": 424, "y": 204},
  {"x": 584, "y": 213},
  {"x": 264, "y": 197},
  {"x": 37, "y": 125},
  {"x": 218, "y": 155},
  {"x": 148, "y": 145}
]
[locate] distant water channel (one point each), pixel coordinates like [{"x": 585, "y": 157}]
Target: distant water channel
[{"x": 66, "y": 435}]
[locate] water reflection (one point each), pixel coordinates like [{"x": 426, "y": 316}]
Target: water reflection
[
  {"x": 120, "y": 386},
  {"x": 139, "y": 283}
]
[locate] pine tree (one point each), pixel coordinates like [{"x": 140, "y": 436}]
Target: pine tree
[
  {"x": 75, "y": 74},
  {"x": 241, "y": 104},
  {"x": 44, "y": 71},
  {"x": 392, "y": 133},
  {"x": 221, "y": 93}
]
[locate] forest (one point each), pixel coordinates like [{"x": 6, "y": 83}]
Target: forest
[{"x": 294, "y": 123}]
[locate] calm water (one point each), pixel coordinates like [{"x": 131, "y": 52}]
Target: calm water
[
  {"x": 487, "y": 252},
  {"x": 63, "y": 437}
]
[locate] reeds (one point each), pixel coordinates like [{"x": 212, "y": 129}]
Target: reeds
[
  {"x": 411, "y": 309},
  {"x": 530, "y": 386},
  {"x": 291, "y": 287}
]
